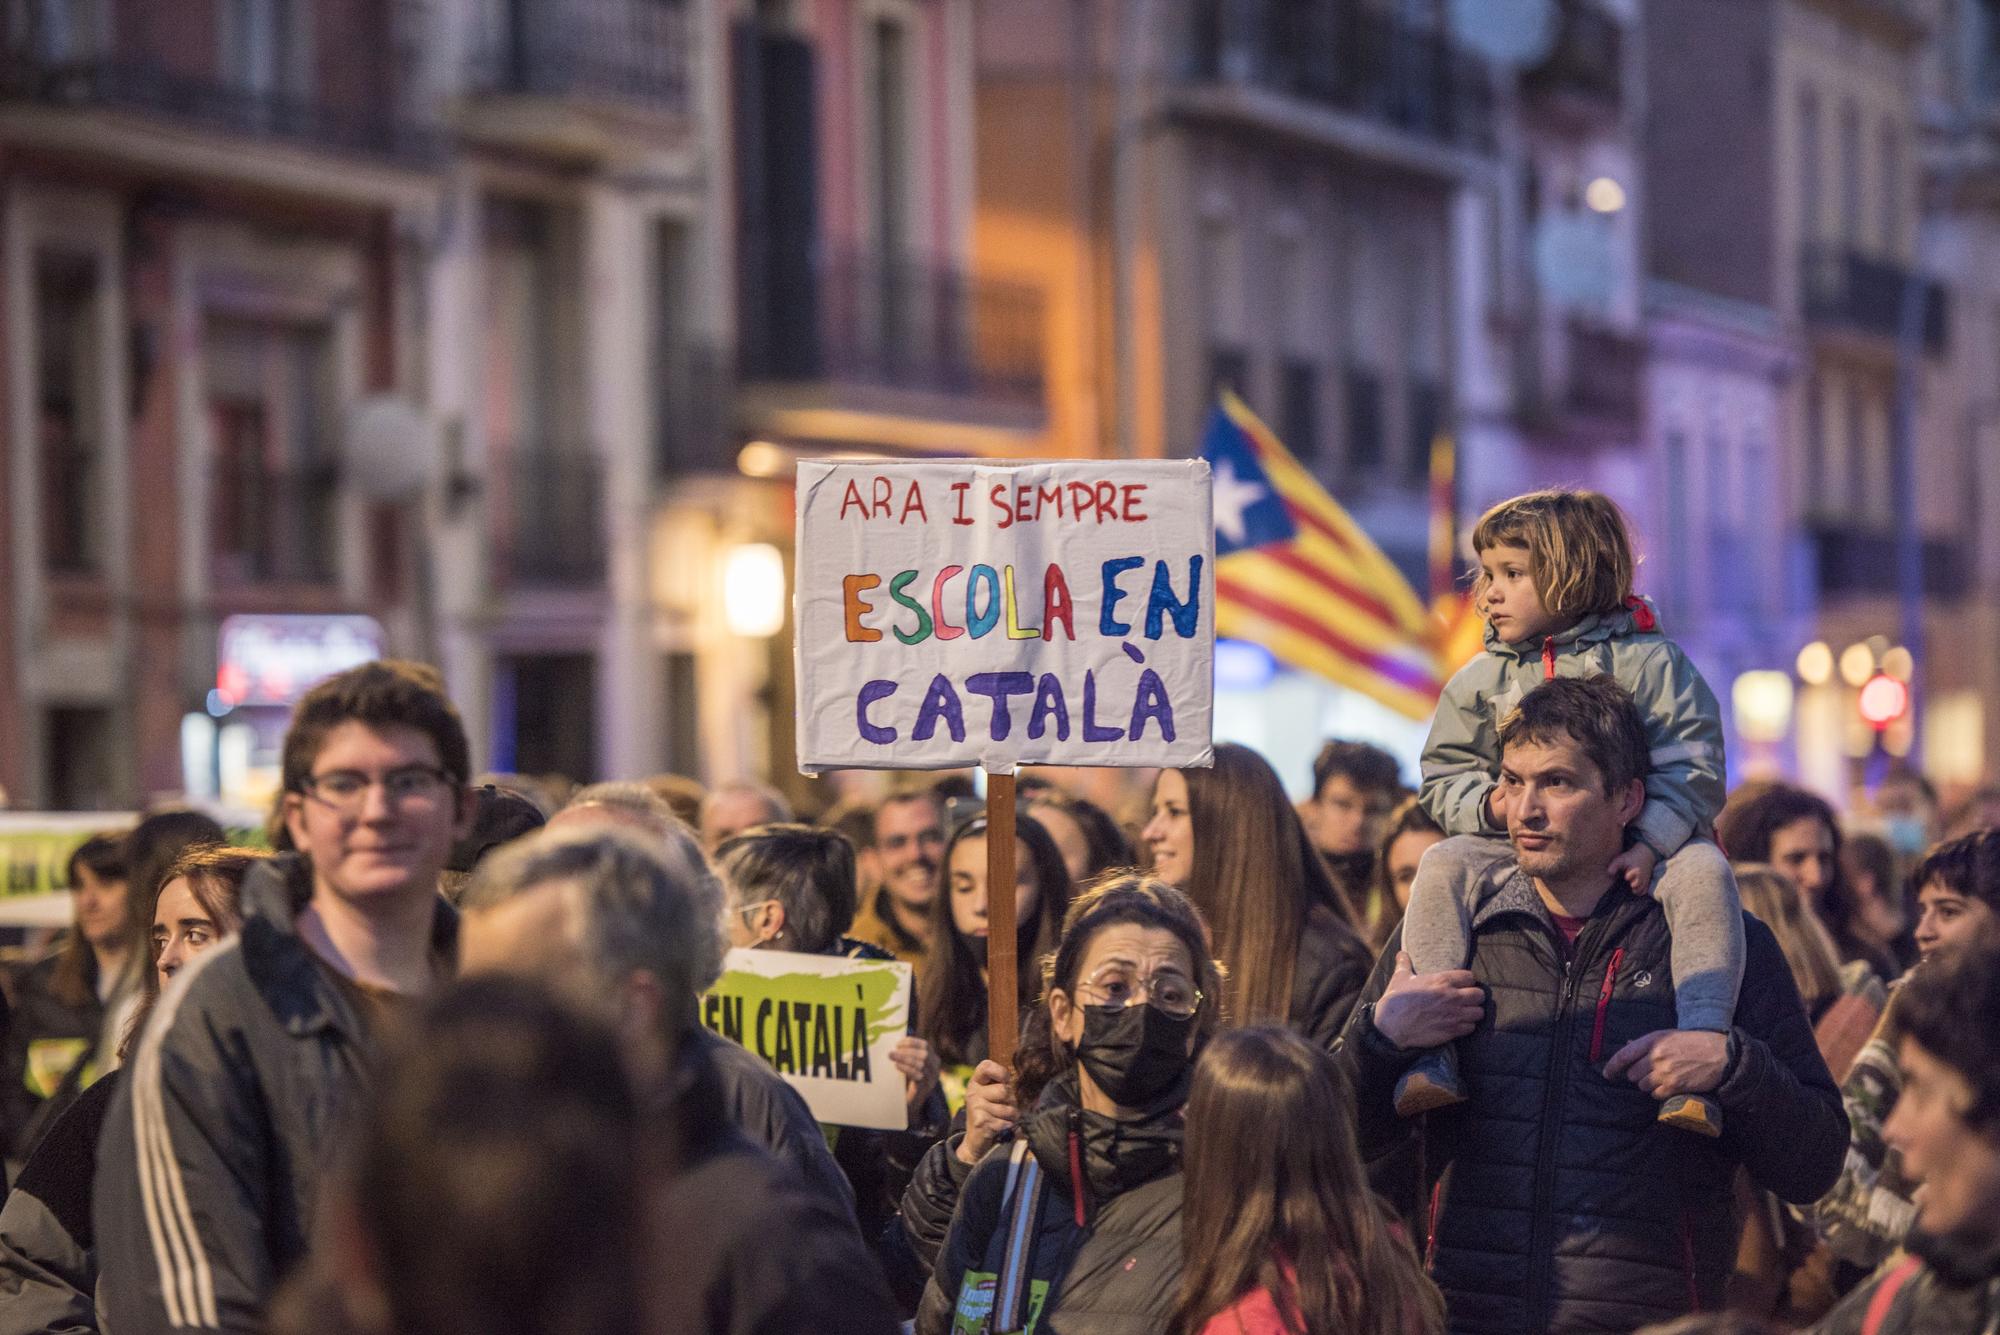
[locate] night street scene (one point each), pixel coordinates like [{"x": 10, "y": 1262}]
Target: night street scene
[{"x": 1000, "y": 667}]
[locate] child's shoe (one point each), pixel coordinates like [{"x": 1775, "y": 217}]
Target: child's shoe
[
  {"x": 1692, "y": 1112},
  {"x": 1433, "y": 1082}
]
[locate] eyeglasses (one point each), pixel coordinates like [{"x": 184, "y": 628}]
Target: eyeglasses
[
  {"x": 1168, "y": 991},
  {"x": 745, "y": 911},
  {"x": 346, "y": 790}
]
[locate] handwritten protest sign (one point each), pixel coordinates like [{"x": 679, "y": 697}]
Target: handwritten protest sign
[
  {"x": 824, "y": 1023},
  {"x": 35, "y": 848},
  {"x": 960, "y": 612}
]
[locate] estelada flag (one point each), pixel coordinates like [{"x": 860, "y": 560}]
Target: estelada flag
[{"x": 1295, "y": 574}]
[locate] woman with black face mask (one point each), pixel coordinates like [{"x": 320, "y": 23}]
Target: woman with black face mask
[{"x": 1073, "y": 1220}]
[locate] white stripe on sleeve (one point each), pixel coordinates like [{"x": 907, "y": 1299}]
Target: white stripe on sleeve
[{"x": 186, "y": 1280}]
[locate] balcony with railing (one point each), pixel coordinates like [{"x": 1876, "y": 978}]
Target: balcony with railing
[
  {"x": 908, "y": 325},
  {"x": 1586, "y": 60},
  {"x": 634, "y": 53},
  {"x": 274, "y": 526},
  {"x": 550, "y": 518},
  {"x": 330, "y": 76},
  {"x": 1842, "y": 289},
  {"x": 1340, "y": 56}
]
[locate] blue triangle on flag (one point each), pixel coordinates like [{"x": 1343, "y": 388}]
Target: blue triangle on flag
[{"x": 1249, "y": 512}]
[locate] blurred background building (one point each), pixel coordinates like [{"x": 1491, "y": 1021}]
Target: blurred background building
[{"x": 487, "y": 331}]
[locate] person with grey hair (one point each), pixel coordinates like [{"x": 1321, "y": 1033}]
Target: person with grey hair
[
  {"x": 629, "y": 927},
  {"x": 632, "y": 806},
  {"x": 791, "y": 887},
  {"x": 739, "y": 805}
]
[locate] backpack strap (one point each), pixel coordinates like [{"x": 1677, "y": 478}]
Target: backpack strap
[
  {"x": 1010, "y": 1289},
  {"x": 1884, "y": 1300}
]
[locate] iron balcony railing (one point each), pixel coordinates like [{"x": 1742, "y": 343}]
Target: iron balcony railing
[
  {"x": 552, "y": 517},
  {"x": 275, "y": 525},
  {"x": 1844, "y": 288},
  {"x": 331, "y": 75},
  {"x": 903, "y": 325},
  {"x": 1336, "y": 54},
  {"x": 634, "y": 51}
]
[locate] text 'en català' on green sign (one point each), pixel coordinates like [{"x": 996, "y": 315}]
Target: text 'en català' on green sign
[{"x": 824, "y": 1023}]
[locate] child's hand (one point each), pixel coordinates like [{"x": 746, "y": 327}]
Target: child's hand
[{"x": 1635, "y": 865}]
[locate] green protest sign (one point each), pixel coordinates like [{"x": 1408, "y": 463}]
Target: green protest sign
[
  {"x": 35, "y": 846},
  {"x": 824, "y": 1023}
]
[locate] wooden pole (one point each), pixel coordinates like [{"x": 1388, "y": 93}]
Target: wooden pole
[{"x": 1003, "y": 1022}]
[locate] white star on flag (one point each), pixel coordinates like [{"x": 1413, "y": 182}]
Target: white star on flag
[{"x": 1232, "y": 497}]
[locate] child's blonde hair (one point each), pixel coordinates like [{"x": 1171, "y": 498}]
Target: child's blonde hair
[{"x": 1579, "y": 554}]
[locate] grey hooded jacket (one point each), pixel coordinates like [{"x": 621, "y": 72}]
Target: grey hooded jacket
[
  {"x": 1686, "y": 785},
  {"x": 211, "y": 1157}
]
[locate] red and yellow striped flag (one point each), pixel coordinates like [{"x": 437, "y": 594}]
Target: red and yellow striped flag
[{"x": 1295, "y": 574}]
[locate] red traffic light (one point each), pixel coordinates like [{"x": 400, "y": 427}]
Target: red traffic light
[{"x": 1883, "y": 701}]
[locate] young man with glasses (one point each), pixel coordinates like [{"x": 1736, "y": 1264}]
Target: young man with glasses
[{"x": 236, "y": 1091}]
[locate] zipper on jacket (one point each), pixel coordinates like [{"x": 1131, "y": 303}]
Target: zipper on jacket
[
  {"x": 1604, "y": 1006},
  {"x": 1431, "y": 1228},
  {"x": 1549, "y": 658},
  {"x": 1541, "y": 1248}
]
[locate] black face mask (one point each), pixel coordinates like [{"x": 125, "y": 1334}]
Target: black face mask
[{"x": 1134, "y": 1053}]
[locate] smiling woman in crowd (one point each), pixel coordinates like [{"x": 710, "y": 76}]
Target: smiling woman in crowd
[
  {"x": 1284, "y": 931},
  {"x": 1868, "y": 1212}
]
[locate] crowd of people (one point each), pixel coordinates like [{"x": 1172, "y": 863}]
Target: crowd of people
[{"x": 1570, "y": 1038}]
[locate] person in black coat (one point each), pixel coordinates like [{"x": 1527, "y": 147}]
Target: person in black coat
[
  {"x": 1105, "y": 1066},
  {"x": 1555, "y": 1200},
  {"x": 630, "y": 915},
  {"x": 56, "y": 1038}
]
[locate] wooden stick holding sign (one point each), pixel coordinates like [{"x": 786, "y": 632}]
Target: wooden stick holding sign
[{"x": 1003, "y": 1023}]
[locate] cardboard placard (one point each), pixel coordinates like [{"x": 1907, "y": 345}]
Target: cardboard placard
[
  {"x": 970, "y": 612},
  {"x": 35, "y": 848},
  {"x": 825, "y": 1023}
]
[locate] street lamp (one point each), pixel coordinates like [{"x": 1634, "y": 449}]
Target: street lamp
[
  {"x": 753, "y": 590},
  {"x": 1763, "y": 706}
]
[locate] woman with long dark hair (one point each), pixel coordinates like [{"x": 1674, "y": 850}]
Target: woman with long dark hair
[
  {"x": 1285, "y": 931},
  {"x": 1093, "y": 1175},
  {"x": 1280, "y": 1232},
  {"x": 951, "y": 986},
  {"x": 62, "y": 1033},
  {"x": 1797, "y": 832},
  {"x": 1410, "y": 833}
]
